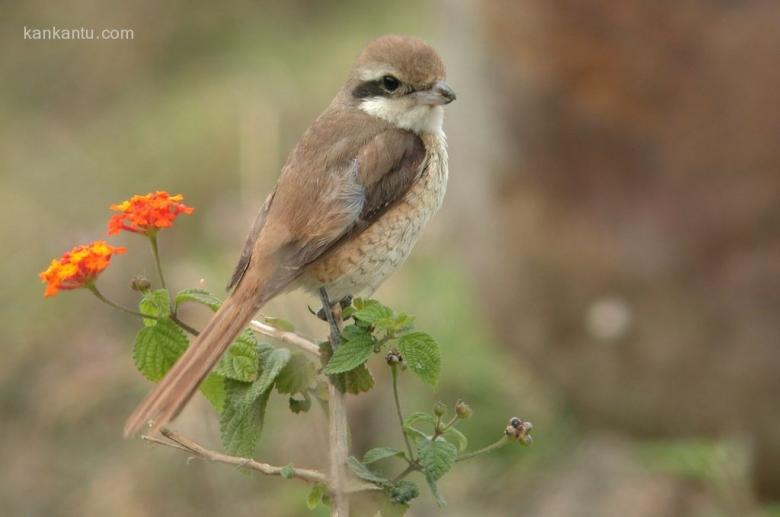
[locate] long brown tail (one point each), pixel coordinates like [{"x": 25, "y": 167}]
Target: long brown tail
[{"x": 180, "y": 383}]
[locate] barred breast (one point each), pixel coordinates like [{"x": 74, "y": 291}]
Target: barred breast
[{"x": 358, "y": 266}]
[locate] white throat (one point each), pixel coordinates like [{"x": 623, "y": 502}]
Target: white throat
[{"x": 406, "y": 114}]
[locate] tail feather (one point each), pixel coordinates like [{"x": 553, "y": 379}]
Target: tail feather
[{"x": 170, "y": 396}]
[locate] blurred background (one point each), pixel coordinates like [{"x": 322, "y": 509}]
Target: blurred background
[{"x": 606, "y": 265}]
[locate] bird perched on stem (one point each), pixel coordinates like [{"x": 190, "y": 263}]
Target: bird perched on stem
[{"x": 349, "y": 205}]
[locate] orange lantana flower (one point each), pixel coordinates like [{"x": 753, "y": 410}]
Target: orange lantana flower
[
  {"x": 147, "y": 214},
  {"x": 78, "y": 267}
]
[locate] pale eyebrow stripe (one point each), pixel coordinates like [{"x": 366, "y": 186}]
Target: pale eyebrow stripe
[{"x": 372, "y": 73}]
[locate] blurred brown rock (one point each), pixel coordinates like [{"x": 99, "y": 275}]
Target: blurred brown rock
[{"x": 640, "y": 269}]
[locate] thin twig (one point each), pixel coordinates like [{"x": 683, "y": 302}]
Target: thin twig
[
  {"x": 94, "y": 290},
  {"x": 291, "y": 338},
  {"x": 409, "y": 449},
  {"x": 185, "y": 444},
  {"x": 156, "y": 252},
  {"x": 180, "y": 323},
  {"x": 504, "y": 440}
]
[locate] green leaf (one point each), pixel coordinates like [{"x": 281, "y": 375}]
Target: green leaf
[
  {"x": 380, "y": 453},
  {"x": 455, "y": 437},
  {"x": 157, "y": 348},
  {"x": 371, "y": 311},
  {"x": 420, "y": 353},
  {"x": 297, "y": 375},
  {"x": 272, "y": 360},
  {"x": 435, "y": 492},
  {"x": 279, "y": 323},
  {"x": 241, "y": 361},
  {"x": 403, "y": 491},
  {"x": 287, "y": 472},
  {"x": 155, "y": 303},
  {"x": 351, "y": 353},
  {"x": 437, "y": 456},
  {"x": 213, "y": 388},
  {"x": 317, "y": 492},
  {"x": 300, "y": 405},
  {"x": 365, "y": 473},
  {"x": 200, "y": 296},
  {"x": 419, "y": 416},
  {"x": 241, "y": 423},
  {"x": 355, "y": 381}
]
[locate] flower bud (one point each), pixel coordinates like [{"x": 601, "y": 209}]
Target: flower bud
[
  {"x": 140, "y": 283},
  {"x": 439, "y": 409},
  {"x": 519, "y": 430},
  {"x": 393, "y": 357},
  {"x": 463, "y": 410}
]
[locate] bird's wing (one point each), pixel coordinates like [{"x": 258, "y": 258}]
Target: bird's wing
[{"x": 335, "y": 184}]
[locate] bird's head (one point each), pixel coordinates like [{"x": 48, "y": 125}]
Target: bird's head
[{"x": 400, "y": 79}]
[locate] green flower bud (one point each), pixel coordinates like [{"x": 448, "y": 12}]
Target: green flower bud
[
  {"x": 140, "y": 283},
  {"x": 440, "y": 409},
  {"x": 463, "y": 410}
]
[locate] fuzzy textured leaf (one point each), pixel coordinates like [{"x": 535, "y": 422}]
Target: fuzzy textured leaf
[
  {"x": 351, "y": 353},
  {"x": 157, "y": 347},
  {"x": 455, "y": 437},
  {"x": 380, "y": 453},
  {"x": 419, "y": 416},
  {"x": 297, "y": 375},
  {"x": 371, "y": 311},
  {"x": 272, "y": 361},
  {"x": 200, "y": 296},
  {"x": 317, "y": 492},
  {"x": 421, "y": 354},
  {"x": 241, "y": 361},
  {"x": 355, "y": 381},
  {"x": 365, "y": 473},
  {"x": 213, "y": 388},
  {"x": 435, "y": 492},
  {"x": 403, "y": 491},
  {"x": 437, "y": 456},
  {"x": 241, "y": 423},
  {"x": 155, "y": 303}
]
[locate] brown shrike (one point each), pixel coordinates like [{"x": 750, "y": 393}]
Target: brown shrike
[{"x": 349, "y": 205}]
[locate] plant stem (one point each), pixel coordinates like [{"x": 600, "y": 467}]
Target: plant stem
[
  {"x": 338, "y": 427},
  {"x": 108, "y": 302},
  {"x": 394, "y": 369},
  {"x": 449, "y": 424},
  {"x": 156, "y": 252},
  {"x": 105, "y": 300},
  {"x": 493, "y": 446},
  {"x": 180, "y": 323}
]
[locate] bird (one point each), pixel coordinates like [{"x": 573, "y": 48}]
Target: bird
[{"x": 346, "y": 211}]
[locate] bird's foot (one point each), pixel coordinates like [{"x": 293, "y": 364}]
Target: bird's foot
[{"x": 331, "y": 312}]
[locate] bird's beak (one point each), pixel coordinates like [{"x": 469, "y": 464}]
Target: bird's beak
[{"x": 439, "y": 94}]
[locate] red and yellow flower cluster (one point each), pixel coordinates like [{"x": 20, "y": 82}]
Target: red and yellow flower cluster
[
  {"x": 78, "y": 267},
  {"x": 147, "y": 214}
]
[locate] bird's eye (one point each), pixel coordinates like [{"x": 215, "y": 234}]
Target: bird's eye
[{"x": 390, "y": 83}]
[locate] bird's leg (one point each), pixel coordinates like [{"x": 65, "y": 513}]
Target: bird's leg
[
  {"x": 333, "y": 316},
  {"x": 344, "y": 302}
]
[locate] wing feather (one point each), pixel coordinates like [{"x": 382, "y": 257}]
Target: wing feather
[{"x": 336, "y": 183}]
